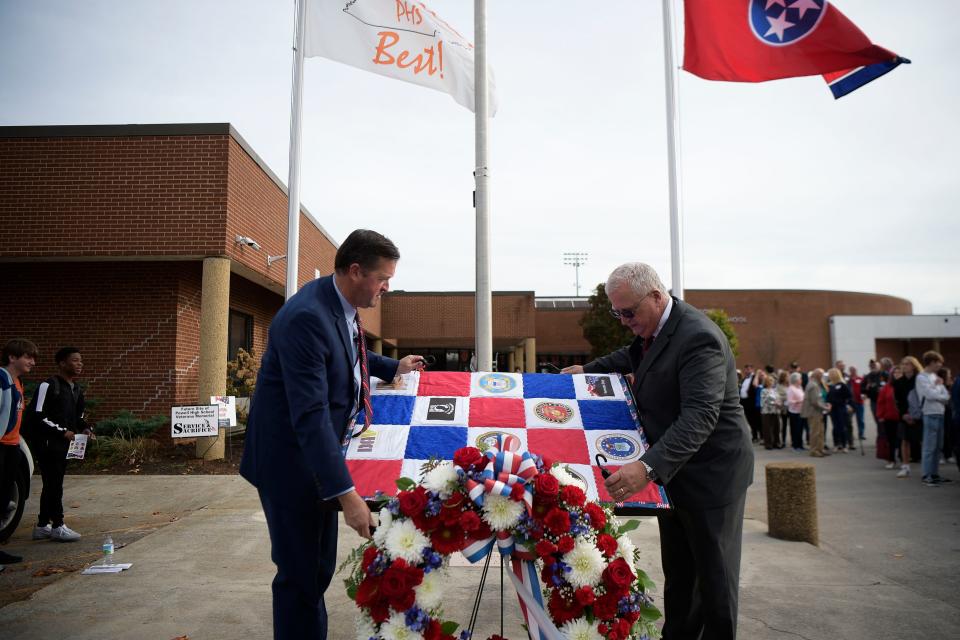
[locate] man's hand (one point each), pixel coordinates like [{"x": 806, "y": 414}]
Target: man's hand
[
  {"x": 356, "y": 513},
  {"x": 411, "y": 363},
  {"x": 630, "y": 479},
  {"x": 89, "y": 433},
  {"x": 69, "y": 436},
  {"x": 574, "y": 368}
]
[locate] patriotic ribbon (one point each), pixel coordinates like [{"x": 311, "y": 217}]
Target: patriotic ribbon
[{"x": 507, "y": 467}]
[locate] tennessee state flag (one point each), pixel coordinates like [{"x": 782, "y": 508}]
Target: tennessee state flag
[{"x": 759, "y": 40}]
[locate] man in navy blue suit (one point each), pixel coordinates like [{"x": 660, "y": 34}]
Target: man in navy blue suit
[{"x": 314, "y": 380}]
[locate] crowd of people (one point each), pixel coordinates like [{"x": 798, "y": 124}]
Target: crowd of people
[{"x": 914, "y": 404}]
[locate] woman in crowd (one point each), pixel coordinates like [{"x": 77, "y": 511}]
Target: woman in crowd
[
  {"x": 812, "y": 409},
  {"x": 838, "y": 397},
  {"x": 888, "y": 418},
  {"x": 754, "y": 398},
  {"x": 794, "y": 406},
  {"x": 948, "y": 436},
  {"x": 770, "y": 414},
  {"x": 783, "y": 383},
  {"x": 910, "y": 430}
]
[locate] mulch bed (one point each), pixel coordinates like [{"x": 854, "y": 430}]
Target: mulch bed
[{"x": 171, "y": 459}]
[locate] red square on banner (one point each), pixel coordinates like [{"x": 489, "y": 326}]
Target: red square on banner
[
  {"x": 559, "y": 445},
  {"x": 444, "y": 383},
  {"x": 497, "y": 412},
  {"x": 650, "y": 495},
  {"x": 370, "y": 475}
]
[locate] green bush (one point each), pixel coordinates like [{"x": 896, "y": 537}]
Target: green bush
[{"x": 126, "y": 425}]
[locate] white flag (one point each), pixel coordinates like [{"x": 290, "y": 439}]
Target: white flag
[{"x": 400, "y": 39}]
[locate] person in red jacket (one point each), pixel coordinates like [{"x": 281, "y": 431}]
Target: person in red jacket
[{"x": 888, "y": 417}]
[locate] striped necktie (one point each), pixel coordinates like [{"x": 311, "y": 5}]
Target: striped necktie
[{"x": 364, "y": 377}]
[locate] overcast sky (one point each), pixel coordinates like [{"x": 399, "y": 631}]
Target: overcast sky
[{"x": 783, "y": 187}]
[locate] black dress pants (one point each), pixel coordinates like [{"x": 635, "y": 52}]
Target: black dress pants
[
  {"x": 700, "y": 552},
  {"x": 303, "y": 545},
  {"x": 52, "y": 458}
]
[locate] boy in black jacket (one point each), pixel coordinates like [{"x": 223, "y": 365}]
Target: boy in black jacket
[{"x": 56, "y": 415}]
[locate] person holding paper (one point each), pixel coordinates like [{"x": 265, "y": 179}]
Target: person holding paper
[
  {"x": 313, "y": 384},
  {"x": 55, "y": 415},
  {"x": 685, "y": 385}
]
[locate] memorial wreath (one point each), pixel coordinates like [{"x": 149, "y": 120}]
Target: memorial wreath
[{"x": 533, "y": 511}]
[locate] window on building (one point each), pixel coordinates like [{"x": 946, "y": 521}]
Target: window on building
[{"x": 239, "y": 333}]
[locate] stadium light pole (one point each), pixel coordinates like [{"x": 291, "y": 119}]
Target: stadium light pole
[{"x": 576, "y": 259}]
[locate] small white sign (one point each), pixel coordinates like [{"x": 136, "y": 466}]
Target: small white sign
[
  {"x": 228, "y": 409},
  {"x": 193, "y": 421},
  {"x": 78, "y": 447}
]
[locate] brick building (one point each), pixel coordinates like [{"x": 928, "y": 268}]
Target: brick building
[{"x": 127, "y": 241}]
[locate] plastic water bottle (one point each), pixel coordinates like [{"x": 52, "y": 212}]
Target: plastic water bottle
[{"x": 107, "y": 551}]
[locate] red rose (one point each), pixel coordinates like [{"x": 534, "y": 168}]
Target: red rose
[
  {"x": 468, "y": 457},
  {"x": 585, "y": 595},
  {"x": 450, "y": 515},
  {"x": 483, "y": 531},
  {"x": 557, "y": 521},
  {"x": 414, "y": 575},
  {"x": 517, "y": 492},
  {"x": 447, "y": 539},
  {"x": 563, "y": 610},
  {"x": 412, "y": 503},
  {"x": 369, "y": 555},
  {"x": 573, "y": 496},
  {"x": 470, "y": 521},
  {"x": 547, "y": 463},
  {"x": 545, "y": 548},
  {"x": 607, "y": 544},
  {"x": 605, "y": 607},
  {"x": 631, "y": 617},
  {"x": 623, "y": 627},
  {"x": 545, "y": 573},
  {"x": 426, "y": 523},
  {"x": 368, "y": 591},
  {"x": 546, "y": 487},
  {"x": 540, "y": 507},
  {"x": 394, "y": 582},
  {"x": 380, "y": 612},
  {"x": 433, "y": 630},
  {"x": 598, "y": 519},
  {"x": 565, "y": 544},
  {"x": 403, "y": 601},
  {"x": 618, "y": 576}
]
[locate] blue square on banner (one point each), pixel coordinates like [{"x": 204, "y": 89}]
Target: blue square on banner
[
  {"x": 437, "y": 442},
  {"x": 390, "y": 409},
  {"x": 603, "y": 414},
  {"x": 548, "y": 385}
]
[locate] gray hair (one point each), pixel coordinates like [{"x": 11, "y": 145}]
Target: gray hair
[
  {"x": 638, "y": 276},
  {"x": 795, "y": 377}
]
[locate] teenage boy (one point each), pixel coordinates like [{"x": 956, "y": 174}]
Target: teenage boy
[{"x": 933, "y": 396}]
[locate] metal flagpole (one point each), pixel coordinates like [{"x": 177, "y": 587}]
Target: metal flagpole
[
  {"x": 483, "y": 319},
  {"x": 673, "y": 152},
  {"x": 293, "y": 184}
]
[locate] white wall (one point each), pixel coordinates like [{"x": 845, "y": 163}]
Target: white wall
[{"x": 853, "y": 338}]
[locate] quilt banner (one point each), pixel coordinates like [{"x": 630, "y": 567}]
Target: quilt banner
[{"x": 565, "y": 418}]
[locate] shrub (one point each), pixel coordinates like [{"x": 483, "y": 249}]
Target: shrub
[
  {"x": 128, "y": 426},
  {"x": 122, "y": 449},
  {"x": 242, "y": 375}
]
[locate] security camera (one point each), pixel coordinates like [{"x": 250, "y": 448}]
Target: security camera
[{"x": 250, "y": 242}]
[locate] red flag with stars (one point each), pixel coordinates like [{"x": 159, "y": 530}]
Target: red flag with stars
[{"x": 759, "y": 40}]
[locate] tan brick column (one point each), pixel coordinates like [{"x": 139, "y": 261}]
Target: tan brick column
[
  {"x": 377, "y": 346},
  {"x": 394, "y": 353},
  {"x": 511, "y": 361},
  {"x": 530, "y": 355},
  {"x": 518, "y": 357},
  {"x": 214, "y": 313}
]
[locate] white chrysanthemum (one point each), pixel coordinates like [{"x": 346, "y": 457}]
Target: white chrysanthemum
[
  {"x": 405, "y": 541},
  {"x": 580, "y": 629},
  {"x": 386, "y": 520},
  {"x": 365, "y": 627},
  {"x": 586, "y": 564},
  {"x": 500, "y": 512},
  {"x": 430, "y": 591},
  {"x": 625, "y": 549},
  {"x": 396, "y": 629},
  {"x": 441, "y": 480},
  {"x": 565, "y": 478}
]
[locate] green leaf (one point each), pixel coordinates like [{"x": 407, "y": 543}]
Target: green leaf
[
  {"x": 405, "y": 484},
  {"x": 628, "y": 526},
  {"x": 649, "y": 613},
  {"x": 352, "y": 591},
  {"x": 449, "y": 627},
  {"x": 645, "y": 581}
]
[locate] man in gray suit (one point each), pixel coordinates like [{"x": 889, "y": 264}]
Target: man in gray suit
[{"x": 685, "y": 384}]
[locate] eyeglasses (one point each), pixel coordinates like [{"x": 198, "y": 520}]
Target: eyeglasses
[{"x": 629, "y": 312}]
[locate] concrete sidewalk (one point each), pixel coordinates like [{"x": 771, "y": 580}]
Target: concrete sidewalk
[{"x": 888, "y": 565}]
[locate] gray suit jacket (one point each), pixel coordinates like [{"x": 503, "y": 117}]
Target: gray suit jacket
[{"x": 689, "y": 407}]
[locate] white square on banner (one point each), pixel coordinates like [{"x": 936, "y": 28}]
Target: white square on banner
[
  {"x": 487, "y": 435},
  {"x": 496, "y": 385},
  {"x": 620, "y": 447},
  {"x": 405, "y": 385},
  {"x": 380, "y": 442},
  {"x": 584, "y": 473},
  {"x": 598, "y": 386},
  {"x": 552, "y": 414},
  {"x": 442, "y": 411},
  {"x": 411, "y": 469}
]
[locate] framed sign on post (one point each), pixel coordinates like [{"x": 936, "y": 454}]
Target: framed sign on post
[{"x": 194, "y": 421}]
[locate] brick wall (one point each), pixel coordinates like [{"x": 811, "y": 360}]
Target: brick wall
[
  {"x": 558, "y": 332},
  {"x": 251, "y": 299},
  {"x": 896, "y": 349}
]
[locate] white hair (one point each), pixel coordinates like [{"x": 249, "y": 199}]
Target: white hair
[
  {"x": 795, "y": 377},
  {"x": 640, "y": 277}
]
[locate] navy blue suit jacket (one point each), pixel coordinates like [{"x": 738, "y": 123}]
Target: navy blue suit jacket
[{"x": 303, "y": 400}]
